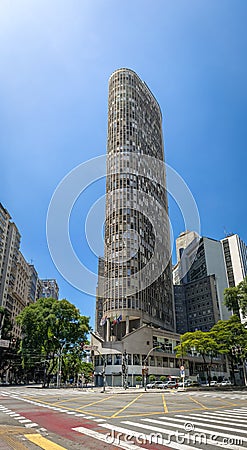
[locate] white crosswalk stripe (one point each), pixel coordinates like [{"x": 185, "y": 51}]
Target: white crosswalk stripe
[
  {"x": 215, "y": 420},
  {"x": 186, "y": 431}
]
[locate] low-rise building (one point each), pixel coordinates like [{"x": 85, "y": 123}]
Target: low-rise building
[{"x": 146, "y": 348}]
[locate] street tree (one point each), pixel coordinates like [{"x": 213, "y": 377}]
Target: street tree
[
  {"x": 231, "y": 338},
  {"x": 235, "y": 298},
  {"x": 199, "y": 342},
  {"x": 50, "y": 329}
]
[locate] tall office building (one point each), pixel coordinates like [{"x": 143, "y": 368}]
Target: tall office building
[
  {"x": 49, "y": 288},
  {"x": 137, "y": 269},
  {"x": 19, "y": 292},
  {"x": 33, "y": 284},
  {"x": 183, "y": 241},
  {"x": 9, "y": 253},
  {"x": 15, "y": 277},
  {"x": 199, "y": 294},
  {"x": 235, "y": 253},
  {"x": 99, "y": 297}
]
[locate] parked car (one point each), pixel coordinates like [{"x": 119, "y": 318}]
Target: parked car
[
  {"x": 171, "y": 384},
  {"x": 226, "y": 383},
  {"x": 156, "y": 385},
  {"x": 186, "y": 383},
  {"x": 214, "y": 383}
]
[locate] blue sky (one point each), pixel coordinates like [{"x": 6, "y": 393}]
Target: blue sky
[{"x": 56, "y": 58}]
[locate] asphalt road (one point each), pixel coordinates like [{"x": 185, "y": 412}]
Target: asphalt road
[{"x": 33, "y": 418}]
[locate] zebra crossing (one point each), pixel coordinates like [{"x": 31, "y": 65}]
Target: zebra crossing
[
  {"x": 227, "y": 395},
  {"x": 225, "y": 429},
  {"x": 195, "y": 430},
  {"x": 44, "y": 393}
]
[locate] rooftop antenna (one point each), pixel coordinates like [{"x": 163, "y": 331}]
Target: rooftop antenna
[{"x": 227, "y": 234}]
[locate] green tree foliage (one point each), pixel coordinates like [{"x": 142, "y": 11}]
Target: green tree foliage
[
  {"x": 152, "y": 378},
  {"x": 200, "y": 342},
  {"x": 231, "y": 338},
  {"x": 138, "y": 378},
  {"x": 235, "y": 298},
  {"x": 226, "y": 337},
  {"x": 51, "y": 328},
  {"x": 87, "y": 371}
]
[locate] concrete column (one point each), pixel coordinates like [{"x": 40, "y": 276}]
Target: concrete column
[
  {"x": 108, "y": 329},
  {"x": 127, "y": 325}
]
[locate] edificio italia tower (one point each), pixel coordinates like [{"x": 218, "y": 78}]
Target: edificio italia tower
[{"x": 137, "y": 259}]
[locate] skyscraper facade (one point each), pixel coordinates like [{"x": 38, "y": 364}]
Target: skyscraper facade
[
  {"x": 199, "y": 298},
  {"x": 137, "y": 261},
  {"x": 235, "y": 253},
  {"x": 49, "y": 288}
]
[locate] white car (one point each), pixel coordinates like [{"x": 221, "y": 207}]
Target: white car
[
  {"x": 225, "y": 383},
  {"x": 213, "y": 383}
]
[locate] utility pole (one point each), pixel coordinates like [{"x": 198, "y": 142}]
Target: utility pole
[
  {"x": 125, "y": 370},
  {"x": 145, "y": 364},
  {"x": 60, "y": 356}
]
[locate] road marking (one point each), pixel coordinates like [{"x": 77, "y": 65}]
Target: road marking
[
  {"x": 148, "y": 438},
  {"x": 49, "y": 406},
  {"x": 225, "y": 401},
  {"x": 98, "y": 401},
  {"x": 126, "y": 406},
  {"x": 13, "y": 443},
  {"x": 31, "y": 425},
  {"x": 199, "y": 403},
  {"x": 180, "y": 423},
  {"x": 164, "y": 404},
  {"x": 214, "y": 419},
  {"x": 179, "y": 446},
  {"x": 223, "y": 414},
  {"x": 103, "y": 437},
  {"x": 209, "y": 425},
  {"x": 42, "y": 442}
]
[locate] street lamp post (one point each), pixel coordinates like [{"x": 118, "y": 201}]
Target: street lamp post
[{"x": 145, "y": 364}]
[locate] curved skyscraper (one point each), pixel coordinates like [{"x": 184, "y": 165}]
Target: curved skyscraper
[{"x": 137, "y": 265}]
